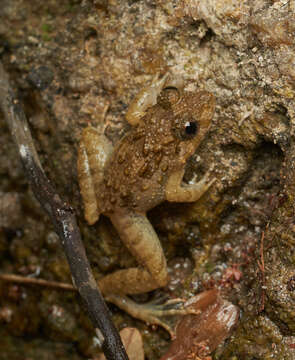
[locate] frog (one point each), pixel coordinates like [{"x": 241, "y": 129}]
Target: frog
[{"x": 143, "y": 169}]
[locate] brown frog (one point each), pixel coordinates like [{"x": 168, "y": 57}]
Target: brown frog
[{"x": 145, "y": 168}]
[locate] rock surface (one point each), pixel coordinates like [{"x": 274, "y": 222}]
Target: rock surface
[{"x": 80, "y": 62}]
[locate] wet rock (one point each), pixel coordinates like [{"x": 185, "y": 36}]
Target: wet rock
[
  {"x": 40, "y": 77},
  {"x": 10, "y": 210}
]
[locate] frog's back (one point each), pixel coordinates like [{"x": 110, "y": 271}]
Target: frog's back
[{"x": 136, "y": 173}]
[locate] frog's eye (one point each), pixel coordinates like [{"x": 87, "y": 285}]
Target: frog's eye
[
  {"x": 185, "y": 130},
  {"x": 191, "y": 128}
]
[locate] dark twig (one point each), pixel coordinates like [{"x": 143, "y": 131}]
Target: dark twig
[
  {"x": 64, "y": 221},
  {"x": 262, "y": 269}
]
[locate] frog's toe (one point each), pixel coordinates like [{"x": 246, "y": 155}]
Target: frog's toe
[
  {"x": 172, "y": 307},
  {"x": 164, "y": 315}
]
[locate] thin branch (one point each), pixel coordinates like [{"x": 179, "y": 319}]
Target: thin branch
[
  {"x": 39, "y": 282},
  {"x": 63, "y": 219},
  {"x": 262, "y": 269}
]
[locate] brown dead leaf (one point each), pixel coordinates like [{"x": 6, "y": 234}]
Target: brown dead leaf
[
  {"x": 132, "y": 342},
  {"x": 197, "y": 336}
]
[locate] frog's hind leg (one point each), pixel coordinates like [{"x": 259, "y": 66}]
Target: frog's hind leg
[
  {"x": 93, "y": 152},
  {"x": 140, "y": 238}
]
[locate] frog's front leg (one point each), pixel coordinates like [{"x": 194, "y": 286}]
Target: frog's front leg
[
  {"x": 176, "y": 191},
  {"x": 142, "y": 241},
  {"x": 144, "y": 99}
]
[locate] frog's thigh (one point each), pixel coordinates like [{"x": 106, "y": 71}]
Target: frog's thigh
[
  {"x": 93, "y": 152},
  {"x": 140, "y": 238},
  {"x": 176, "y": 192}
]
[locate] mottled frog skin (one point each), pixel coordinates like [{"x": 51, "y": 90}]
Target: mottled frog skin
[{"x": 145, "y": 168}]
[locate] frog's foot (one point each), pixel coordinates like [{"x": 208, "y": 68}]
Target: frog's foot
[
  {"x": 146, "y": 98},
  {"x": 178, "y": 192},
  {"x": 153, "y": 313}
]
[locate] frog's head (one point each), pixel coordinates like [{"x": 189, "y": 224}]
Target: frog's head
[{"x": 192, "y": 115}]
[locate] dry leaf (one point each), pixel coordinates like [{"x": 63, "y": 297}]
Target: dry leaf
[
  {"x": 132, "y": 341},
  {"x": 198, "y": 335}
]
